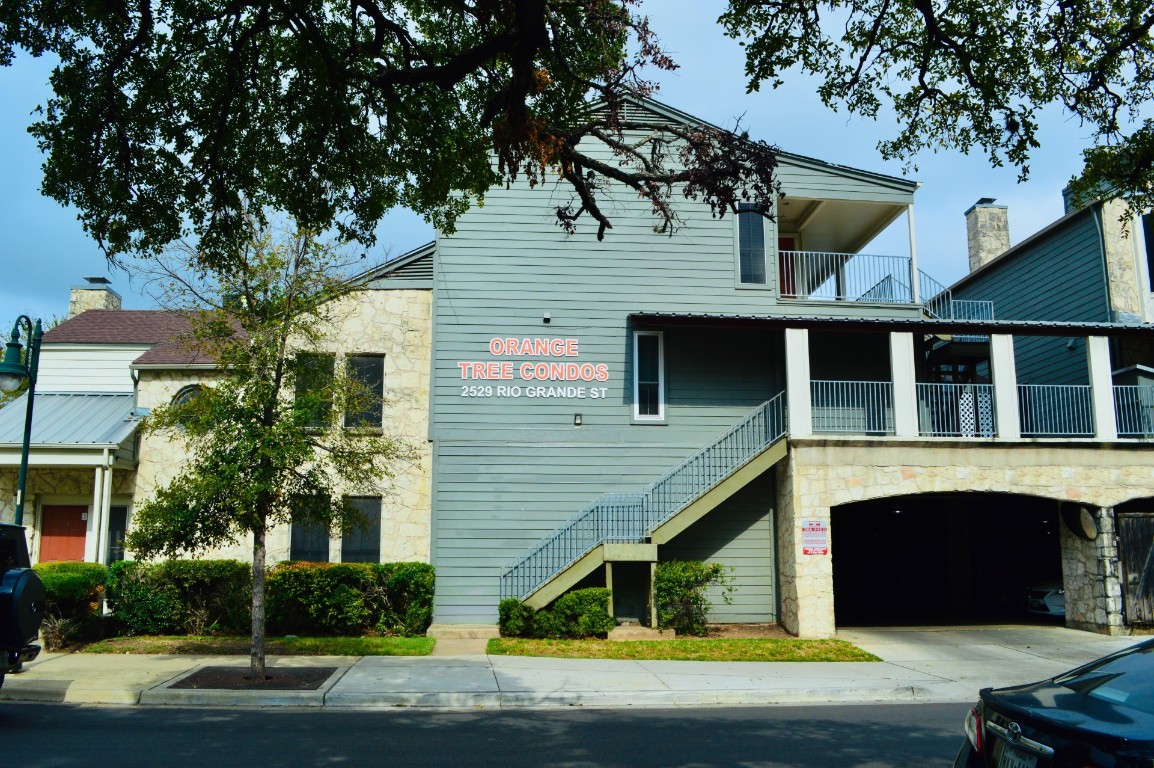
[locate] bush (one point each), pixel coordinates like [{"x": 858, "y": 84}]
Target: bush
[
  {"x": 74, "y": 589},
  {"x": 350, "y": 598},
  {"x": 181, "y": 596},
  {"x": 576, "y": 614},
  {"x": 680, "y": 585}
]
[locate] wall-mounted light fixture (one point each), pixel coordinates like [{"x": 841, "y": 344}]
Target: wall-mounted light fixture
[
  {"x": 546, "y": 318},
  {"x": 576, "y": 419}
]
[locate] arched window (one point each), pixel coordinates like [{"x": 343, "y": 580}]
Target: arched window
[{"x": 187, "y": 394}]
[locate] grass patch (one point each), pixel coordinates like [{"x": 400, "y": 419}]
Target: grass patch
[
  {"x": 274, "y": 646},
  {"x": 685, "y": 649}
]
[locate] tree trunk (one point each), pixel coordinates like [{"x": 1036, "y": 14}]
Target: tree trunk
[{"x": 256, "y": 656}]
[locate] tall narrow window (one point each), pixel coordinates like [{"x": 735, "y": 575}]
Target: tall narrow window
[
  {"x": 314, "y": 378},
  {"x": 368, "y": 371},
  {"x": 363, "y": 545},
  {"x": 310, "y": 542},
  {"x": 1148, "y": 236},
  {"x": 648, "y": 381},
  {"x": 751, "y": 244}
]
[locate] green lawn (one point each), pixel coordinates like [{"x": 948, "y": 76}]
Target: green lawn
[
  {"x": 685, "y": 649},
  {"x": 275, "y": 646}
]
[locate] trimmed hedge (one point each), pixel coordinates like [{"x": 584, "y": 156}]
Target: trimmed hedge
[
  {"x": 391, "y": 599},
  {"x": 74, "y": 589},
  {"x": 181, "y": 596},
  {"x": 576, "y": 614}
]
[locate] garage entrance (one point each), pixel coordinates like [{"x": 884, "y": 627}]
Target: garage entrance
[{"x": 940, "y": 559}]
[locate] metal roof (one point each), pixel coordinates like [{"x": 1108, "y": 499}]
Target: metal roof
[
  {"x": 83, "y": 420},
  {"x": 918, "y": 325}
]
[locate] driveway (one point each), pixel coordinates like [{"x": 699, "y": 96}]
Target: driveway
[{"x": 967, "y": 659}]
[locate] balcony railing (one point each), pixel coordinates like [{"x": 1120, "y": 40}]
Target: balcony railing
[
  {"x": 826, "y": 276},
  {"x": 857, "y": 407},
  {"x": 956, "y": 410},
  {"x": 1134, "y": 409},
  {"x": 1056, "y": 410}
]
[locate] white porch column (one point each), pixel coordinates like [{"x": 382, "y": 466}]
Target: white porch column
[
  {"x": 905, "y": 384},
  {"x": 798, "y": 403},
  {"x": 915, "y": 276},
  {"x": 105, "y": 510},
  {"x": 1102, "y": 388},
  {"x": 1004, "y": 373},
  {"x": 92, "y": 530}
]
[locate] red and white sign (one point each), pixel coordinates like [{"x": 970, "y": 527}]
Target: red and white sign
[
  {"x": 814, "y": 537},
  {"x": 562, "y": 378}
]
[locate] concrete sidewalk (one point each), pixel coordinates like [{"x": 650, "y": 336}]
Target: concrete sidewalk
[{"x": 938, "y": 665}]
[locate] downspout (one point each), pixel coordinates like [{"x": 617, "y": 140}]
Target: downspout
[{"x": 1096, "y": 213}]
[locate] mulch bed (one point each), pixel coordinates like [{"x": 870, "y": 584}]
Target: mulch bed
[
  {"x": 752, "y": 631},
  {"x": 276, "y": 679}
]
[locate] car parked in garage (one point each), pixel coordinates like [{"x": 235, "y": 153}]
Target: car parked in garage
[
  {"x": 1100, "y": 715},
  {"x": 1047, "y": 599}
]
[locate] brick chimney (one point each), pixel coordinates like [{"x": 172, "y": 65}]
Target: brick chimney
[
  {"x": 987, "y": 231},
  {"x": 98, "y": 294}
]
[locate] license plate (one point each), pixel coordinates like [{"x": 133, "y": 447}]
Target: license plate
[{"x": 1016, "y": 758}]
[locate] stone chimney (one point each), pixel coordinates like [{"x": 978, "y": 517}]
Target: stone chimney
[
  {"x": 98, "y": 294},
  {"x": 987, "y": 231}
]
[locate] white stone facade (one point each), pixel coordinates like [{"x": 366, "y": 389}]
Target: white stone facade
[{"x": 821, "y": 474}]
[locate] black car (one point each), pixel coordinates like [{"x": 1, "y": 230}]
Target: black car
[
  {"x": 1097, "y": 716},
  {"x": 22, "y": 600}
]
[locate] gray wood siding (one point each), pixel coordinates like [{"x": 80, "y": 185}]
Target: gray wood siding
[
  {"x": 1065, "y": 279},
  {"x": 508, "y": 470},
  {"x": 739, "y": 534}
]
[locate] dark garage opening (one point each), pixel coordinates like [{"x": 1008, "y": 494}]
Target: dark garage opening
[{"x": 942, "y": 559}]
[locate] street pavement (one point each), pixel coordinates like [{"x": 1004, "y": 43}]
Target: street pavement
[{"x": 940, "y": 665}]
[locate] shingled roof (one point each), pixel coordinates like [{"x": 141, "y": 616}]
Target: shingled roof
[
  {"x": 165, "y": 332},
  {"x": 119, "y": 326}
]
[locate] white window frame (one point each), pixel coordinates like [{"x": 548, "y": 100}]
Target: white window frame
[
  {"x": 637, "y": 415},
  {"x": 766, "y": 233}
]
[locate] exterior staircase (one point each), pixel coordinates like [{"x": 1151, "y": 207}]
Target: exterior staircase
[{"x": 630, "y": 526}]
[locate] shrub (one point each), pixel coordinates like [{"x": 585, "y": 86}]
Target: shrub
[
  {"x": 680, "y": 585},
  {"x": 74, "y": 589},
  {"x": 180, "y": 596},
  {"x": 580, "y": 613},
  {"x": 515, "y": 619},
  {"x": 350, "y": 598}
]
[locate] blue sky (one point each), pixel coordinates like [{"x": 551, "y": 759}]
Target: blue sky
[{"x": 44, "y": 251}]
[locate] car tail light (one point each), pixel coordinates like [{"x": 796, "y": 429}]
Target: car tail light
[{"x": 974, "y": 729}]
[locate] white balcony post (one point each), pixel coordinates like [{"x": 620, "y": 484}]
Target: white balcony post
[
  {"x": 914, "y": 275},
  {"x": 1004, "y": 372},
  {"x": 1102, "y": 388},
  {"x": 905, "y": 384},
  {"x": 797, "y": 382}
]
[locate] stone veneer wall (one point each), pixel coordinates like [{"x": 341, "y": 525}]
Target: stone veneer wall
[
  {"x": 1126, "y": 288},
  {"x": 395, "y": 323},
  {"x": 821, "y": 474},
  {"x": 1093, "y": 578}
]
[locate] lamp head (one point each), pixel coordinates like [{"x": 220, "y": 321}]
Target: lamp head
[{"x": 13, "y": 371}]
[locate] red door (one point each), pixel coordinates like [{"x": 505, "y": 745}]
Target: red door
[{"x": 62, "y": 532}]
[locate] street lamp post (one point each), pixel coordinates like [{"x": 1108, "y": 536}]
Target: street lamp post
[{"x": 13, "y": 372}]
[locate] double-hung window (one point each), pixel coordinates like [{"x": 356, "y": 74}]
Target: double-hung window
[
  {"x": 314, "y": 382},
  {"x": 367, "y": 373},
  {"x": 362, "y": 544},
  {"x": 648, "y": 376},
  {"x": 750, "y": 245}
]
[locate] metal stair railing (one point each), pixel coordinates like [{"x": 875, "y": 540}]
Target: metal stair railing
[{"x": 632, "y": 517}]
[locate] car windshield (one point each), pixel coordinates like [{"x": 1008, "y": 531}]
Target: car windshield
[{"x": 1127, "y": 679}]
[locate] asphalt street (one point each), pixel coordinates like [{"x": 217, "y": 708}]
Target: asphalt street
[{"x": 878, "y": 736}]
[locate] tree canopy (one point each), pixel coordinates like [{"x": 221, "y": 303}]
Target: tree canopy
[
  {"x": 969, "y": 74},
  {"x": 179, "y": 118}
]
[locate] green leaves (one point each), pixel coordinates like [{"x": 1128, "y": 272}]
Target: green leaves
[{"x": 972, "y": 74}]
